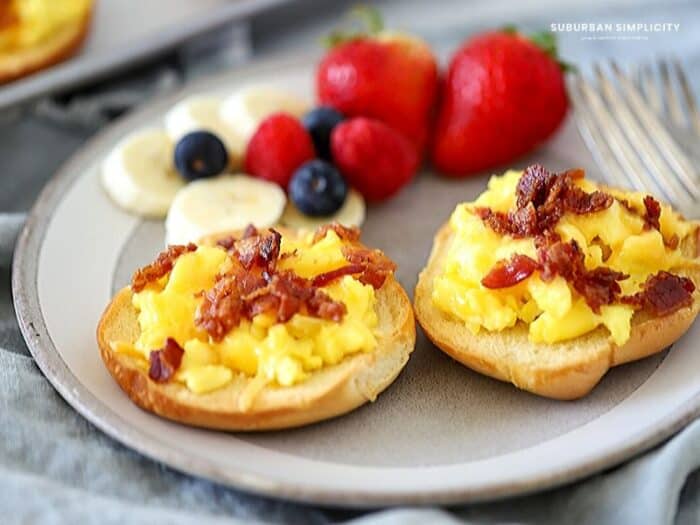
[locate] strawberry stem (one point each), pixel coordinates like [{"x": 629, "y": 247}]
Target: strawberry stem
[
  {"x": 369, "y": 20},
  {"x": 371, "y": 17},
  {"x": 546, "y": 41}
]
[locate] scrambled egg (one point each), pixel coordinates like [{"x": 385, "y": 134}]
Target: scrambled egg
[
  {"x": 273, "y": 353},
  {"x": 26, "y": 23},
  {"x": 553, "y": 310}
]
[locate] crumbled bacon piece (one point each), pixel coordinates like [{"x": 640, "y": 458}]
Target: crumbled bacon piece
[
  {"x": 260, "y": 250},
  {"x": 250, "y": 231},
  {"x": 598, "y": 287},
  {"x": 165, "y": 362},
  {"x": 533, "y": 186},
  {"x": 287, "y": 294},
  {"x": 326, "y": 278},
  {"x": 321, "y": 305},
  {"x": 558, "y": 258},
  {"x": 227, "y": 243},
  {"x": 254, "y": 285},
  {"x": 519, "y": 223},
  {"x": 542, "y": 198},
  {"x": 221, "y": 309},
  {"x": 503, "y": 223},
  {"x": 652, "y": 212},
  {"x": 579, "y": 202},
  {"x": 663, "y": 293},
  {"x": 509, "y": 272},
  {"x": 240, "y": 294},
  {"x": 160, "y": 267},
  {"x": 346, "y": 233},
  {"x": 626, "y": 204},
  {"x": 377, "y": 267},
  {"x": 523, "y": 220},
  {"x": 575, "y": 173}
]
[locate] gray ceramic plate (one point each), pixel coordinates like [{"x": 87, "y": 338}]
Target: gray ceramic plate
[{"x": 441, "y": 433}]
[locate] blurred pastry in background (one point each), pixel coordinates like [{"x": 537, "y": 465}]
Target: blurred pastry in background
[{"x": 35, "y": 34}]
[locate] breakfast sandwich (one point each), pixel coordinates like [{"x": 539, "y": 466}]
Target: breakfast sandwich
[
  {"x": 547, "y": 280},
  {"x": 264, "y": 330}
]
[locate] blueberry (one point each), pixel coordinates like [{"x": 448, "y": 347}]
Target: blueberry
[
  {"x": 317, "y": 188},
  {"x": 200, "y": 154},
  {"x": 319, "y": 122}
]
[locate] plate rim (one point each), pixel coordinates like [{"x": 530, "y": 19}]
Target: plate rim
[{"x": 53, "y": 367}]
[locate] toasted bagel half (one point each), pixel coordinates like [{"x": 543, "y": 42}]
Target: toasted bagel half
[
  {"x": 564, "y": 370},
  {"x": 328, "y": 392}
]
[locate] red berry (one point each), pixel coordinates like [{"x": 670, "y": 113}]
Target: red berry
[
  {"x": 279, "y": 146},
  {"x": 502, "y": 97},
  {"x": 391, "y": 79},
  {"x": 376, "y": 160}
]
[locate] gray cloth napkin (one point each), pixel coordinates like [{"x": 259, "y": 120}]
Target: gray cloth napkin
[{"x": 55, "y": 467}]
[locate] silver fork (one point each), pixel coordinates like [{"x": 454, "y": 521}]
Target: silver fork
[
  {"x": 678, "y": 109},
  {"x": 632, "y": 146}
]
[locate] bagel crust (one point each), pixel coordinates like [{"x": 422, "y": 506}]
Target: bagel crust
[
  {"x": 328, "y": 392},
  {"x": 61, "y": 46},
  {"x": 565, "y": 370}
]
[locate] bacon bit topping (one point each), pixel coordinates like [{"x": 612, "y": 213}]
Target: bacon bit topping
[
  {"x": 652, "y": 213},
  {"x": 250, "y": 231},
  {"x": 160, "y": 267},
  {"x": 165, "y": 362},
  {"x": 221, "y": 309},
  {"x": 322, "y": 306},
  {"x": 260, "y": 250},
  {"x": 292, "y": 293},
  {"x": 239, "y": 295},
  {"x": 520, "y": 223},
  {"x": 350, "y": 234},
  {"x": 507, "y": 273},
  {"x": 542, "y": 198},
  {"x": 255, "y": 285},
  {"x": 598, "y": 287},
  {"x": 377, "y": 267},
  {"x": 662, "y": 294},
  {"x": 228, "y": 242},
  {"x": 326, "y": 278},
  {"x": 575, "y": 173}
]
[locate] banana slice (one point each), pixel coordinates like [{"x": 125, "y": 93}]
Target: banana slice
[
  {"x": 245, "y": 109},
  {"x": 223, "y": 203},
  {"x": 351, "y": 213},
  {"x": 139, "y": 173},
  {"x": 203, "y": 113}
]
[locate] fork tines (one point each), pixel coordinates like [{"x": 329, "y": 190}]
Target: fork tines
[{"x": 622, "y": 122}]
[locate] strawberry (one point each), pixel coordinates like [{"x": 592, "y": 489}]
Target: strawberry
[
  {"x": 277, "y": 148},
  {"x": 376, "y": 160},
  {"x": 384, "y": 75},
  {"x": 503, "y": 96}
]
